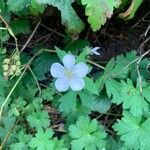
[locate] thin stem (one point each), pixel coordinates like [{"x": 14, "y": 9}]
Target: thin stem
[
  {"x": 15, "y": 85},
  {"x": 8, "y": 134},
  {"x": 95, "y": 64},
  {"x": 52, "y": 30},
  {"x": 35, "y": 80},
  {"x": 10, "y": 93}
]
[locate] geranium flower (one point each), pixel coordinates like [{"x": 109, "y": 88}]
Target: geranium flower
[
  {"x": 94, "y": 51},
  {"x": 69, "y": 74}
]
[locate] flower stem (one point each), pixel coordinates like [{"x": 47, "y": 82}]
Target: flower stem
[{"x": 95, "y": 64}]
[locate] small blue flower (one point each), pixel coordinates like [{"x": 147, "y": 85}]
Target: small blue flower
[
  {"x": 69, "y": 74},
  {"x": 94, "y": 51}
]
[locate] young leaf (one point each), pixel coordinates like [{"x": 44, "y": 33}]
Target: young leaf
[
  {"x": 36, "y": 8},
  {"x": 48, "y": 94},
  {"x": 22, "y": 141},
  {"x": 42, "y": 140},
  {"x": 98, "y": 11},
  {"x": 69, "y": 17},
  {"x": 133, "y": 131},
  {"x": 60, "y": 53},
  {"x": 87, "y": 134},
  {"x": 39, "y": 119}
]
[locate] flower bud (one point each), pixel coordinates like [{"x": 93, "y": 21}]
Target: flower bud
[
  {"x": 6, "y": 61},
  {"x": 11, "y": 72},
  {"x": 5, "y": 73},
  {"x": 16, "y": 57},
  {"x": 5, "y": 67},
  {"x": 18, "y": 63},
  {"x": 13, "y": 67}
]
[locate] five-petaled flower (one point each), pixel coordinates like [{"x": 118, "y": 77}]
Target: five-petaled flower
[
  {"x": 94, "y": 51},
  {"x": 69, "y": 74}
]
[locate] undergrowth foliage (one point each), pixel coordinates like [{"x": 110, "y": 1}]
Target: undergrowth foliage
[{"x": 117, "y": 91}]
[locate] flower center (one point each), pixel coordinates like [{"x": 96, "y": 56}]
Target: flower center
[{"x": 68, "y": 74}]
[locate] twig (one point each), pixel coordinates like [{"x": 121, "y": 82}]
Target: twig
[
  {"x": 147, "y": 30},
  {"x": 52, "y": 30},
  {"x": 31, "y": 36},
  {"x": 30, "y": 45},
  {"x": 145, "y": 41},
  {"x": 141, "y": 20}
]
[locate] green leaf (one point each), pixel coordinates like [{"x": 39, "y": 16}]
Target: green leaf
[
  {"x": 5, "y": 126},
  {"x": 80, "y": 110},
  {"x": 48, "y": 94},
  {"x": 36, "y": 8},
  {"x": 146, "y": 93},
  {"x": 127, "y": 94},
  {"x": 4, "y": 11},
  {"x": 112, "y": 88},
  {"x": 95, "y": 103},
  {"x": 87, "y": 134},
  {"x": 42, "y": 64},
  {"x": 60, "y": 53},
  {"x": 76, "y": 46},
  {"x": 101, "y": 80},
  {"x": 68, "y": 102},
  {"x": 39, "y": 119},
  {"x": 4, "y": 35},
  {"x": 17, "y": 107},
  {"x": 59, "y": 144},
  {"x": 98, "y": 11},
  {"x": 35, "y": 105},
  {"x": 134, "y": 131},
  {"x": 20, "y": 26},
  {"x": 22, "y": 141},
  {"x": 69, "y": 17},
  {"x": 42, "y": 140},
  {"x": 133, "y": 99},
  {"x": 17, "y": 5},
  {"x": 101, "y": 104},
  {"x": 120, "y": 70},
  {"x": 90, "y": 86},
  {"x": 83, "y": 55}
]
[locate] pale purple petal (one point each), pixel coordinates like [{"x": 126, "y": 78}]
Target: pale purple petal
[
  {"x": 81, "y": 69},
  {"x": 76, "y": 83},
  {"x": 94, "y": 51},
  {"x": 57, "y": 70},
  {"x": 69, "y": 61},
  {"x": 62, "y": 84}
]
